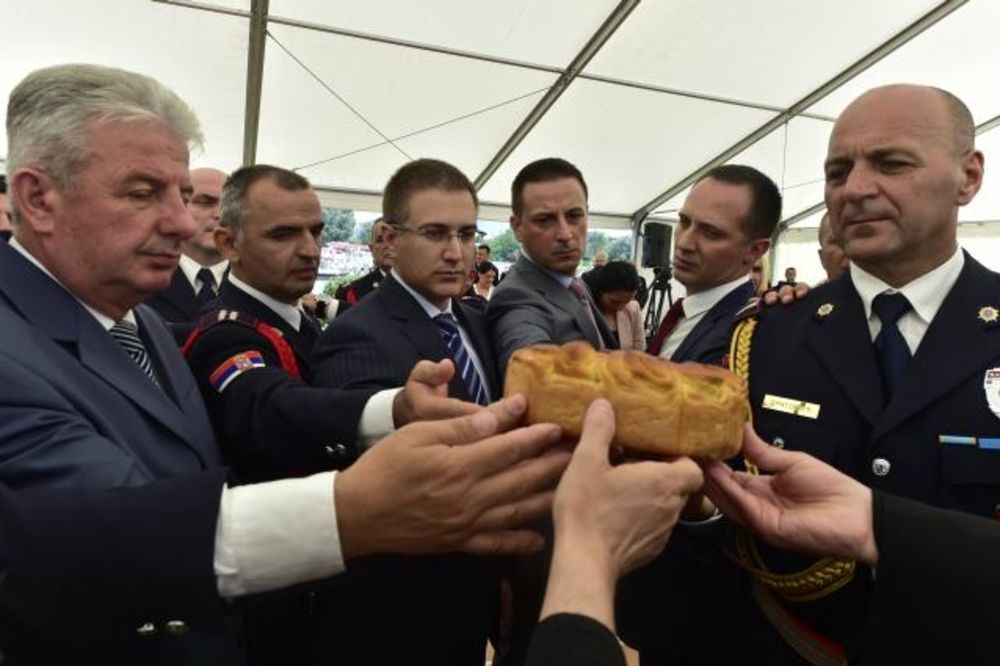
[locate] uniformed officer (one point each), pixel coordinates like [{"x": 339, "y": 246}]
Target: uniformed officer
[
  {"x": 382, "y": 256},
  {"x": 890, "y": 373}
]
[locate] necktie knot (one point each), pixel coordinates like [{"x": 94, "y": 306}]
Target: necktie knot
[
  {"x": 579, "y": 288},
  {"x": 446, "y": 324},
  {"x": 207, "y": 277},
  {"x": 126, "y": 334},
  {"x": 890, "y": 307},
  {"x": 207, "y": 291}
]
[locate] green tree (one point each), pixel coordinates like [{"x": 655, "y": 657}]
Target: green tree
[
  {"x": 338, "y": 224},
  {"x": 596, "y": 240},
  {"x": 619, "y": 249},
  {"x": 362, "y": 233},
  {"x": 504, "y": 247}
]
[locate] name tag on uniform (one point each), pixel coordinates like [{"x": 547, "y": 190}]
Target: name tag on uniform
[{"x": 809, "y": 410}]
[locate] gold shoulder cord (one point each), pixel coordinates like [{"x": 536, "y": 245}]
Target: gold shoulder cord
[{"x": 825, "y": 576}]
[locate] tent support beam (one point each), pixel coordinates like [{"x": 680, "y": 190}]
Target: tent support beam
[
  {"x": 892, "y": 44},
  {"x": 255, "y": 79},
  {"x": 590, "y": 49}
]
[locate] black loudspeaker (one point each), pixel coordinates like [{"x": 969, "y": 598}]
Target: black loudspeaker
[{"x": 656, "y": 245}]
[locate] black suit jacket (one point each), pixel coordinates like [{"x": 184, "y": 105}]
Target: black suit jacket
[
  {"x": 177, "y": 305},
  {"x": 269, "y": 424},
  {"x": 820, "y": 351},
  {"x": 708, "y": 341},
  {"x": 437, "y": 609},
  {"x": 352, "y": 292},
  {"x": 377, "y": 343}
]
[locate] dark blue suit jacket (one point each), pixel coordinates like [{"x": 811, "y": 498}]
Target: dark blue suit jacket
[
  {"x": 389, "y": 609},
  {"x": 708, "y": 341},
  {"x": 77, "y": 412},
  {"x": 378, "y": 341}
]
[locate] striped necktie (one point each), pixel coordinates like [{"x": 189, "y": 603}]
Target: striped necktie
[
  {"x": 126, "y": 334},
  {"x": 448, "y": 328}
]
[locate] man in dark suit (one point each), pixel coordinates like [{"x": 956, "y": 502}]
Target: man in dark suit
[
  {"x": 202, "y": 267},
  {"x": 670, "y": 609},
  {"x": 541, "y": 300},
  {"x": 725, "y": 226},
  {"x": 94, "y": 395},
  {"x": 416, "y": 314},
  {"x": 889, "y": 373},
  {"x": 382, "y": 256}
]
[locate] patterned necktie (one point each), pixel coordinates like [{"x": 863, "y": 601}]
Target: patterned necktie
[
  {"x": 207, "y": 291},
  {"x": 127, "y": 335},
  {"x": 890, "y": 346},
  {"x": 667, "y": 326},
  {"x": 448, "y": 328},
  {"x": 579, "y": 289}
]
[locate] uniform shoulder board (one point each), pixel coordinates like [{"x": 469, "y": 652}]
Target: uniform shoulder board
[
  {"x": 751, "y": 309},
  {"x": 224, "y": 316}
]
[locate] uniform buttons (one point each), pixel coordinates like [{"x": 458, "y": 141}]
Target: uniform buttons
[
  {"x": 336, "y": 451},
  {"x": 778, "y": 443},
  {"x": 880, "y": 466},
  {"x": 147, "y": 629},
  {"x": 176, "y": 628}
]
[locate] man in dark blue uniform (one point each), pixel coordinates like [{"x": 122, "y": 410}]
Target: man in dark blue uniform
[
  {"x": 382, "y": 256},
  {"x": 892, "y": 372}
]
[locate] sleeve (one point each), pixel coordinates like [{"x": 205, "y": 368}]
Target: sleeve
[
  {"x": 573, "y": 640},
  {"x": 518, "y": 318},
  {"x": 264, "y": 417},
  {"x": 94, "y": 565},
  {"x": 936, "y": 595},
  {"x": 347, "y": 356}
]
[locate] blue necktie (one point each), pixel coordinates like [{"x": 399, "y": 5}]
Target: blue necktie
[
  {"x": 127, "y": 335},
  {"x": 890, "y": 347},
  {"x": 448, "y": 328},
  {"x": 207, "y": 291}
]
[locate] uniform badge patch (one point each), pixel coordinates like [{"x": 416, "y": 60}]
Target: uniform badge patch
[
  {"x": 989, "y": 314},
  {"x": 233, "y": 367},
  {"x": 991, "y": 387}
]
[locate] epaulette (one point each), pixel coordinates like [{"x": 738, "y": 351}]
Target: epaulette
[
  {"x": 751, "y": 309},
  {"x": 234, "y": 317}
]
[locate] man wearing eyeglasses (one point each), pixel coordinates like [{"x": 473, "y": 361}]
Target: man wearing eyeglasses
[{"x": 438, "y": 608}]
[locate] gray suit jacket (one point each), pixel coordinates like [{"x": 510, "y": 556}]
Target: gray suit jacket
[{"x": 531, "y": 307}]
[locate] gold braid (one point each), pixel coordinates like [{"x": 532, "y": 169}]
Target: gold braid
[{"x": 825, "y": 576}]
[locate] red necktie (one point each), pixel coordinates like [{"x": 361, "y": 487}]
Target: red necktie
[
  {"x": 580, "y": 290},
  {"x": 667, "y": 326}
]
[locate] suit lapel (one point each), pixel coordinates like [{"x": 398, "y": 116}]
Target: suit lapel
[
  {"x": 955, "y": 327},
  {"x": 726, "y": 307},
  {"x": 475, "y": 326},
  {"x": 560, "y": 296},
  {"x": 841, "y": 341}
]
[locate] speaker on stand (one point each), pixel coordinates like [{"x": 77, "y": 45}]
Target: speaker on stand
[{"x": 656, "y": 255}]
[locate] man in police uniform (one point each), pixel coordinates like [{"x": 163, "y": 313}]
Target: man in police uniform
[{"x": 890, "y": 373}]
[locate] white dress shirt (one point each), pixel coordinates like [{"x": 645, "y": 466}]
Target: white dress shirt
[
  {"x": 925, "y": 294},
  {"x": 190, "y": 268}
]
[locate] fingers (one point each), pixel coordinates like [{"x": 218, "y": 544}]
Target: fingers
[
  {"x": 509, "y": 411},
  {"x": 431, "y": 373},
  {"x": 434, "y": 408},
  {"x": 502, "y": 452},
  {"x": 453, "y": 432},
  {"x": 770, "y": 297},
  {"x": 507, "y": 542},
  {"x": 522, "y": 481},
  {"x": 763, "y": 455},
  {"x": 687, "y": 474},
  {"x": 598, "y": 430},
  {"x": 515, "y": 514}
]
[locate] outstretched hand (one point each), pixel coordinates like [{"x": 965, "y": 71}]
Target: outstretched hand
[{"x": 803, "y": 504}]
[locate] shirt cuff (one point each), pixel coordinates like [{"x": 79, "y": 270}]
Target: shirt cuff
[
  {"x": 277, "y": 534},
  {"x": 376, "y": 419}
]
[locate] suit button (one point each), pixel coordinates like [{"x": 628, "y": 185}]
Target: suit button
[
  {"x": 778, "y": 443},
  {"x": 336, "y": 451},
  {"x": 880, "y": 466},
  {"x": 176, "y": 628},
  {"x": 146, "y": 630}
]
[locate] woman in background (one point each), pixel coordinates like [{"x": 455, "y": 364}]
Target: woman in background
[{"x": 613, "y": 287}]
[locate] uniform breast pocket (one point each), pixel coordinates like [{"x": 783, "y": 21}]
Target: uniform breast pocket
[
  {"x": 970, "y": 465},
  {"x": 797, "y": 433}
]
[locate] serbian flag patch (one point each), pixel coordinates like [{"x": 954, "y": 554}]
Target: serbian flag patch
[{"x": 233, "y": 367}]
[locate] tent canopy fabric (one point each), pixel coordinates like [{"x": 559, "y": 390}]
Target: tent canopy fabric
[{"x": 642, "y": 96}]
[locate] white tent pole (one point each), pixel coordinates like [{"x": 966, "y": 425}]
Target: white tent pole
[{"x": 255, "y": 78}]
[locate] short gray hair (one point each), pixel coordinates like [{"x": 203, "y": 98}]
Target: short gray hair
[
  {"x": 236, "y": 191},
  {"x": 50, "y": 111}
]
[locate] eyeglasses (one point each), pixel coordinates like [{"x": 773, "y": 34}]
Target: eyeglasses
[{"x": 440, "y": 234}]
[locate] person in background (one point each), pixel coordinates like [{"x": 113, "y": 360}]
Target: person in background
[
  {"x": 614, "y": 286},
  {"x": 486, "y": 277},
  {"x": 790, "y": 275},
  {"x": 831, "y": 253}
]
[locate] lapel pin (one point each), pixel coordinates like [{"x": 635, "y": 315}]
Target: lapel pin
[
  {"x": 989, "y": 314},
  {"x": 824, "y": 310}
]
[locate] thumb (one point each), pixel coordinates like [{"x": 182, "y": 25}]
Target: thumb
[
  {"x": 598, "y": 431},
  {"x": 431, "y": 373},
  {"x": 768, "y": 458}
]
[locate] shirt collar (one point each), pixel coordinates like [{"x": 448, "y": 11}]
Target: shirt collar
[
  {"x": 290, "y": 313},
  {"x": 104, "y": 320},
  {"x": 191, "y": 268},
  {"x": 925, "y": 294},
  {"x": 564, "y": 280},
  {"x": 428, "y": 307},
  {"x": 703, "y": 301}
]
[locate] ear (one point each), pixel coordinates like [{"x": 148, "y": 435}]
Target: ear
[
  {"x": 757, "y": 248},
  {"x": 515, "y": 226},
  {"x": 37, "y": 197},
  {"x": 225, "y": 241},
  {"x": 972, "y": 177}
]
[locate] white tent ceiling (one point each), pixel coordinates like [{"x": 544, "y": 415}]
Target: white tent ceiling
[{"x": 642, "y": 96}]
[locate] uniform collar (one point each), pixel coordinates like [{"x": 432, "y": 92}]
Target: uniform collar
[
  {"x": 290, "y": 313},
  {"x": 925, "y": 294},
  {"x": 703, "y": 301}
]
